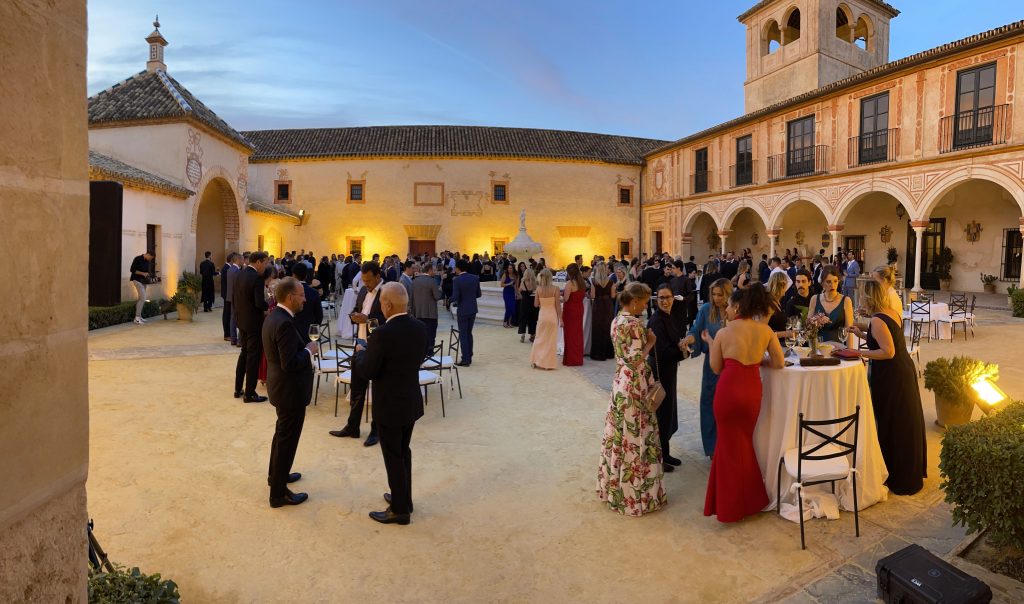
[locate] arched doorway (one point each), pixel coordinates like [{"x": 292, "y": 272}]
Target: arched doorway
[
  {"x": 804, "y": 230},
  {"x": 216, "y": 221},
  {"x": 749, "y": 231},
  {"x": 874, "y": 223},
  {"x": 704, "y": 237}
]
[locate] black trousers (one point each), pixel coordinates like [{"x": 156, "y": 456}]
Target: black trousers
[
  {"x": 225, "y": 319},
  {"x": 358, "y": 398},
  {"x": 528, "y": 314},
  {"x": 466, "y": 335},
  {"x": 667, "y": 413},
  {"x": 283, "y": 447},
  {"x": 248, "y": 366},
  {"x": 394, "y": 446},
  {"x": 431, "y": 334},
  {"x": 207, "y": 293}
]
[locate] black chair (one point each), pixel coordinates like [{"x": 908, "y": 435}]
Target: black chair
[
  {"x": 822, "y": 462},
  {"x": 427, "y": 377},
  {"x": 921, "y": 312},
  {"x": 915, "y": 345},
  {"x": 453, "y": 352},
  {"x": 957, "y": 316},
  {"x": 955, "y": 298}
]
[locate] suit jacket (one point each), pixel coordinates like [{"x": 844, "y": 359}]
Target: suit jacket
[
  {"x": 465, "y": 291},
  {"x": 311, "y": 312},
  {"x": 289, "y": 369},
  {"x": 248, "y": 302},
  {"x": 406, "y": 282},
  {"x": 229, "y": 281},
  {"x": 225, "y": 293},
  {"x": 425, "y": 294},
  {"x": 375, "y": 311},
  {"x": 392, "y": 361},
  {"x": 207, "y": 270},
  {"x": 652, "y": 277}
]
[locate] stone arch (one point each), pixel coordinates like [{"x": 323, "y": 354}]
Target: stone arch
[
  {"x": 844, "y": 22},
  {"x": 801, "y": 195},
  {"x": 791, "y": 29},
  {"x": 864, "y": 33},
  {"x": 216, "y": 219},
  {"x": 852, "y": 196},
  {"x": 691, "y": 218},
  {"x": 738, "y": 206},
  {"x": 771, "y": 34},
  {"x": 211, "y": 173},
  {"x": 948, "y": 181}
]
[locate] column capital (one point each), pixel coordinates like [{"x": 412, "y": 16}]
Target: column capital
[
  {"x": 920, "y": 224},
  {"x": 774, "y": 232},
  {"x": 687, "y": 235},
  {"x": 1021, "y": 220},
  {"x": 724, "y": 232},
  {"x": 835, "y": 228}
]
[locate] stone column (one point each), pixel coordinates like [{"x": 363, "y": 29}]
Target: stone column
[
  {"x": 1021, "y": 284},
  {"x": 687, "y": 246},
  {"x": 919, "y": 226},
  {"x": 723, "y": 234},
  {"x": 773, "y": 240},
  {"x": 833, "y": 231}
]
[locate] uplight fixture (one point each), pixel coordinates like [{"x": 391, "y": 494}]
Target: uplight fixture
[{"x": 990, "y": 397}]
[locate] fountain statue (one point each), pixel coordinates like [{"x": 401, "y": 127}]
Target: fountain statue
[{"x": 523, "y": 246}]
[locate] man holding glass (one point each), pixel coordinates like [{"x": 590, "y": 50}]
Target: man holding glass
[
  {"x": 368, "y": 316},
  {"x": 312, "y": 312}
]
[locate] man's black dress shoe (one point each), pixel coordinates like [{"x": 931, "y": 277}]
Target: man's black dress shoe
[
  {"x": 288, "y": 499},
  {"x": 238, "y": 393},
  {"x": 293, "y": 477},
  {"x": 389, "y": 517},
  {"x": 675, "y": 461},
  {"x": 387, "y": 498},
  {"x": 370, "y": 440},
  {"x": 253, "y": 398},
  {"x": 463, "y": 364},
  {"x": 345, "y": 432},
  {"x": 668, "y": 468}
]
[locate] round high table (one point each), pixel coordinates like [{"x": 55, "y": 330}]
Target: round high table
[{"x": 819, "y": 393}]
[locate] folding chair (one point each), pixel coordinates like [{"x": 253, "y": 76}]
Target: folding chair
[
  {"x": 826, "y": 461},
  {"x": 957, "y": 316},
  {"x": 921, "y": 312},
  {"x": 440, "y": 362},
  {"x": 453, "y": 353},
  {"x": 427, "y": 377},
  {"x": 915, "y": 346}
]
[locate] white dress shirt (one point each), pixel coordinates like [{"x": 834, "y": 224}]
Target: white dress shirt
[{"x": 371, "y": 295}]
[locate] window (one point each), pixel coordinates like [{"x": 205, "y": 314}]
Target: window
[
  {"x": 356, "y": 191},
  {"x": 499, "y": 192},
  {"x": 800, "y": 147},
  {"x": 842, "y": 24},
  {"x": 282, "y": 191},
  {"x": 772, "y": 39},
  {"x": 625, "y": 248},
  {"x": 744, "y": 170},
  {"x": 862, "y": 34},
  {"x": 354, "y": 245},
  {"x": 498, "y": 245},
  {"x": 700, "y": 174},
  {"x": 874, "y": 129},
  {"x": 1012, "y": 248},
  {"x": 625, "y": 196},
  {"x": 975, "y": 106},
  {"x": 793, "y": 26}
]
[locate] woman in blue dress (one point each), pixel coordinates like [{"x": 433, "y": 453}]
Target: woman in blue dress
[
  {"x": 509, "y": 285},
  {"x": 710, "y": 318},
  {"x": 835, "y": 305}
]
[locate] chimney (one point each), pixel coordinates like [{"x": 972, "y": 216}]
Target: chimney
[{"x": 156, "y": 48}]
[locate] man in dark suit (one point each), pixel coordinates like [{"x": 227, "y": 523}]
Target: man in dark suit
[
  {"x": 652, "y": 277},
  {"x": 312, "y": 312},
  {"x": 367, "y": 308},
  {"x": 290, "y": 385},
  {"x": 392, "y": 361},
  {"x": 465, "y": 291},
  {"x": 207, "y": 270},
  {"x": 425, "y": 294},
  {"x": 225, "y": 295},
  {"x": 249, "y": 305}
]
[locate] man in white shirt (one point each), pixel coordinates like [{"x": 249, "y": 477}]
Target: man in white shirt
[{"x": 776, "y": 265}]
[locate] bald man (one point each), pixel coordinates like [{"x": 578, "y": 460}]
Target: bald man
[{"x": 391, "y": 361}]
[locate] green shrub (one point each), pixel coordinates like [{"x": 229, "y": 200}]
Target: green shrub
[
  {"x": 951, "y": 379},
  {"x": 190, "y": 286},
  {"x": 105, "y": 316},
  {"x": 129, "y": 586},
  {"x": 1017, "y": 297},
  {"x": 982, "y": 471}
]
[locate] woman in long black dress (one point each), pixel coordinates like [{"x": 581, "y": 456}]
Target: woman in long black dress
[
  {"x": 669, "y": 334},
  {"x": 602, "y": 313},
  {"x": 894, "y": 395}
]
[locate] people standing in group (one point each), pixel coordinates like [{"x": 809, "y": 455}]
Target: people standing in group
[
  {"x": 544, "y": 353},
  {"x": 850, "y": 273},
  {"x": 668, "y": 351},
  {"x": 602, "y": 313},
  {"x": 838, "y": 307},
  {"x": 509, "y": 285},
  {"x": 312, "y": 312},
  {"x": 425, "y": 294},
  {"x": 249, "y": 305},
  {"x": 742, "y": 277},
  {"x": 140, "y": 274},
  {"x": 207, "y": 271},
  {"x": 710, "y": 319},
  {"x": 465, "y": 291},
  {"x": 629, "y": 476},
  {"x": 735, "y": 484},
  {"x": 895, "y": 396},
  {"x": 527, "y": 308},
  {"x": 572, "y": 316},
  {"x": 290, "y": 386}
]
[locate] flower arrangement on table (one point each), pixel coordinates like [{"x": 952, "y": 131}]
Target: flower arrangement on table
[{"x": 812, "y": 326}]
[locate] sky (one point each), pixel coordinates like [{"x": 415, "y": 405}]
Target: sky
[{"x": 657, "y": 68}]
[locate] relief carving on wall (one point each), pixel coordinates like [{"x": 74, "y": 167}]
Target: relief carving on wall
[
  {"x": 659, "y": 178},
  {"x": 194, "y": 158},
  {"x": 885, "y": 233},
  {"x": 242, "y": 184},
  {"x": 973, "y": 231},
  {"x": 467, "y": 203}
]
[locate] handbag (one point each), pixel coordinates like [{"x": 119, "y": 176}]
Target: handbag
[{"x": 656, "y": 393}]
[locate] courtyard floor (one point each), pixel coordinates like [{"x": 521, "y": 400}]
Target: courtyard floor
[{"x": 504, "y": 490}]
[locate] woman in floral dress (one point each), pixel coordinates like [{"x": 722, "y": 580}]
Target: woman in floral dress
[{"x": 630, "y": 473}]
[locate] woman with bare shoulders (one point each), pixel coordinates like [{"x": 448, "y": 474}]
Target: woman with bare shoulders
[{"x": 548, "y": 300}]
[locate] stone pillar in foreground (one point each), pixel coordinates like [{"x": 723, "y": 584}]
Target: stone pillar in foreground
[{"x": 919, "y": 226}]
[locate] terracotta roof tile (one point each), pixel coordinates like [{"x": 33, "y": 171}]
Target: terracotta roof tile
[
  {"x": 883, "y": 5},
  {"x": 104, "y": 166}
]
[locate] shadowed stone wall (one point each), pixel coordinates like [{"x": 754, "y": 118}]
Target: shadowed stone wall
[{"x": 44, "y": 218}]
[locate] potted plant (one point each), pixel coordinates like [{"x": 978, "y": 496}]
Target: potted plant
[
  {"x": 1009, "y": 294},
  {"x": 951, "y": 380},
  {"x": 943, "y": 267},
  {"x": 989, "y": 283},
  {"x": 892, "y": 256},
  {"x": 186, "y": 298}
]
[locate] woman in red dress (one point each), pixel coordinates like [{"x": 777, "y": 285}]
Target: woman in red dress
[
  {"x": 572, "y": 315},
  {"x": 735, "y": 486}
]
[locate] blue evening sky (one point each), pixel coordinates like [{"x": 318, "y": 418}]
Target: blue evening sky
[{"x": 657, "y": 68}]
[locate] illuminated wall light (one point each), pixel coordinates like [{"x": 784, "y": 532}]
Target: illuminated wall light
[{"x": 989, "y": 394}]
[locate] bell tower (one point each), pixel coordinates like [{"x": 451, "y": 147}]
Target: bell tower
[
  {"x": 156, "y": 48},
  {"x": 795, "y": 46}
]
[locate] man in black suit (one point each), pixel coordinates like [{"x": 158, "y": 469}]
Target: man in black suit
[
  {"x": 207, "y": 270},
  {"x": 392, "y": 361},
  {"x": 652, "y": 277},
  {"x": 225, "y": 296},
  {"x": 248, "y": 304},
  {"x": 367, "y": 307},
  {"x": 290, "y": 385},
  {"x": 312, "y": 312}
]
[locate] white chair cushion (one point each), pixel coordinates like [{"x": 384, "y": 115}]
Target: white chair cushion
[
  {"x": 444, "y": 361},
  {"x": 428, "y": 377},
  {"x": 337, "y": 353},
  {"x": 818, "y": 469},
  {"x": 344, "y": 377},
  {"x": 952, "y": 319},
  {"x": 330, "y": 366}
]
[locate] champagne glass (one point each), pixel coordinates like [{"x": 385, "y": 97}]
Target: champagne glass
[
  {"x": 371, "y": 325},
  {"x": 844, "y": 334},
  {"x": 314, "y": 333}
]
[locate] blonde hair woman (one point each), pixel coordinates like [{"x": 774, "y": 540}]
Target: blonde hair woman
[
  {"x": 629, "y": 477},
  {"x": 602, "y": 313},
  {"x": 886, "y": 277},
  {"x": 546, "y": 298},
  {"x": 527, "y": 309},
  {"x": 777, "y": 286}
]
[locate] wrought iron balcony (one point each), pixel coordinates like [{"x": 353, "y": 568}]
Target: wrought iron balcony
[
  {"x": 974, "y": 128},
  {"x": 874, "y": 147},
  {"x": 742, "y": 174},
  {"x": 805, "y": 161},
  {"x": 699, "y": 181}
]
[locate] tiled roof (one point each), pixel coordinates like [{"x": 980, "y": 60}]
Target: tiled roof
[
  {"x": 452, "y": 141},
  {"x": 884, "y": 6},
  {"x": 106, "y": 167},
  {"x": 272, "y": 210},
  {"x": 148, "y": 96},
  {"x": 992, "y": 35}
]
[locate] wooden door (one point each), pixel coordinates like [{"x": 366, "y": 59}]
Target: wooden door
[{"x": 422, "y": 246}]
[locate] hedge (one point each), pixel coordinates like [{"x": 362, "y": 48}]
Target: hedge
[
  {"x": 105, "y": 316},
  {"x": 982, "y": 471},
  {"x": 130, "y": 585},
  {"x": 1017, "y": 301}
]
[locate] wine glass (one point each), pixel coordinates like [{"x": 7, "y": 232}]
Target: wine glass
[
  {"x": 844, "y": 334},
  {"x": 371, "y": 325},
  {"x": 314, "y": 333}
]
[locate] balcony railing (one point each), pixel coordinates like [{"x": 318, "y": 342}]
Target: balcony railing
[
  {"x": 742, "y": 174},
  {"x": 699, "y": 181},
  {"x": 974, "y": 128},
  {"x": 874, "y": 147},
  {"x": 806, "y": 161}
]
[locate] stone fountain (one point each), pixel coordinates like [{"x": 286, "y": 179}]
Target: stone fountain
[{"x": 523, "y": 246}]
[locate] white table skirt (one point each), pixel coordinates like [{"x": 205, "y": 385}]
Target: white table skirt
[
  {"x": 940, "y": 330},
  {"x": 348, "y": 304},
  {"x": 819, "y": 393}
]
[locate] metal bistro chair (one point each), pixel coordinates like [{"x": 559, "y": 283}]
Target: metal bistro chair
[
  {"x": 915, "y": 346},
  {"x": 957, "y": 316},
  {"x": 427, "y": 377},
  {"x": 453, "y": 353},
  {"x": 826, "y": 461},
  {"x": 970, "y": 313},
  {"x": 329, "y": 367},
  {"x": 955, "y": 298},
  {"x": 440, "y": 362},
  {"x": 921, "y": 312}
]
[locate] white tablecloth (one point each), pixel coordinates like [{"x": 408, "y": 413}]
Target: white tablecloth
[
  {"x": 348, "y": 304},
  {"x": 820, "y": 393},
  {"x": 940, "y": 330}
]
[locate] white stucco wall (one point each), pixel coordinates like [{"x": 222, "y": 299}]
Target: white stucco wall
[{"x": 142, "y": 208}]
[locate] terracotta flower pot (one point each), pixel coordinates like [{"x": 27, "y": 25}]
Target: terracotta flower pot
[
  {"x": 990, "y": 288},
  {"x": 951, "y": 413},
  {"x": 944, "y": 284},
  {"x": 184, "y": 313}
]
